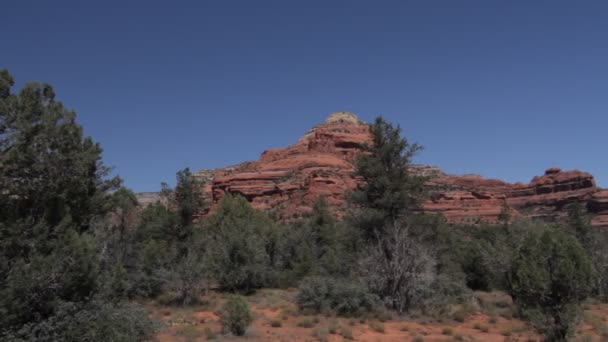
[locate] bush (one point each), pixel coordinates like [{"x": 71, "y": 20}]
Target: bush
[
  {"x": 276, "y": 323},
  {"x": 400, "y": 269},
  {"x": 550, "y": 278},
  {"x": 242, "y": 245},
  {"x": 95, "y": 321},
  {"x": 346, "y": 332},
  {"x": 377, "y": 326},
  {"x": 235, "y": 316},
  {"x": 322, "y": 294},
  {"x": 314, "y": 247},
  {"x": 307, "y": 323},
  {"x": 321, "y": 334}
]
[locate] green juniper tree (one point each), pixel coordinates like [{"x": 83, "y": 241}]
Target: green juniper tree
[
  {"x": 398, "y": 243},
  {"x": 595, "y": 243},
  {"x": 242, "y": 245},
  {"x": 314, "y": 246},
  {"x": 54, "y": 190},
  {"x": 389, "y": 190},
  {"x": 550, "y": 277},
  {"x": 168, "y": 246}
]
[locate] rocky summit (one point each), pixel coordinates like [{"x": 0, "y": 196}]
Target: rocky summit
[{"x": 286, "y": 181}]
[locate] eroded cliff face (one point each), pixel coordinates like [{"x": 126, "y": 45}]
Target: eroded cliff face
[
  {"x": 286, "y": 181},
  {"x": 471, "y": 199}
]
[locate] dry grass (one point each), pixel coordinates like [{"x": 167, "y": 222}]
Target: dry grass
[
  {"x": 377, "y": 326},
  {"x": 277, "y": 319}
]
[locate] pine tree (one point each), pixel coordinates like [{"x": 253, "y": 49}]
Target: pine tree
[
  {"x": 388, "y": 191},
  {"x": 551, "y": 276},
  {"x": 54, "y": 188}
]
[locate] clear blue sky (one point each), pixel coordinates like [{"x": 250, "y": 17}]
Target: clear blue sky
[{"x": 504, "y": 89}]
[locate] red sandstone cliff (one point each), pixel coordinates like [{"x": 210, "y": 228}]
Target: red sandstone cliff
[{"x": 286, "y": 181}]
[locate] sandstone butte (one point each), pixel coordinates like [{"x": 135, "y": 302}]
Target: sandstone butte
[{"x": 286, "y": 182}]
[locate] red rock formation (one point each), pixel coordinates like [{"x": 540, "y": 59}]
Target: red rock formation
[
  {"x": 288, "y": 180},
  {"x": 473, "y": 198},
  {"x": 598, "y": 204}
]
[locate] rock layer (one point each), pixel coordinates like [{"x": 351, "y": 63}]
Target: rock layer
[
  {"x": 286, "y": 181},
  {"x": 473, "y": 198}
]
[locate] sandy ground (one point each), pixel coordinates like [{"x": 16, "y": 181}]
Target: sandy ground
[{"x": 201, "y": 323}]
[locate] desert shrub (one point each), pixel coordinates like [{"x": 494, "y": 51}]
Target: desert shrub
[
  {"x": 321, "y": 334},
  {"x": 377, "y": 326},
  {"x": 486, "y": 253},
  {"x": 551, "y": 276},
  {"x": 307, "y": 322},
  {"x": 322, "y": 294},
  {"x": 447, "y": 331},
  {"x": 399, "y": 269},
  {"x": 186, "y": 277},
  {"x": 242, "y": 245},
  {"x": 235, "y": 316},
  {"x": 477, "y": 274},
  {"x": 94, "y": 321},
  {"x": 209, "y": 334},
  {"x": 276, "y": 323},
  {"x": 314, "y": 247},
  {"x": 346, "y": 332},
  {"x": 595, "y": 244}
]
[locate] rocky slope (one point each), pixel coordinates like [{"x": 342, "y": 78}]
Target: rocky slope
[{"x": 286, "y": 181}]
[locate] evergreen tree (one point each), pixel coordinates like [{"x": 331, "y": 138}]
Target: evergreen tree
[
  {"x": 551, "y": 276},
  {"x": 168, "y": 247},
  {"x": 187, "y": 197},
  {"x": 241, "y": 243},
  {"x": 54, "y": 191},
  {"x": 314, "y": 246},
  {"x": 389, "y": 190},
  {"x": 595, "y": 244}
]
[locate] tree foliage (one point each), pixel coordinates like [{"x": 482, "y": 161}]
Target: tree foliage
[
  {"x": 236, "y": 316},
  {"x": 55, "y": 190},
  {"x": 389, "y": 190},
  {"x": 314, "y": 246},
  {"x": 242, "y": 245},
  {"x": 400, "y": 269},
  {"x": 550, "y": 277}
]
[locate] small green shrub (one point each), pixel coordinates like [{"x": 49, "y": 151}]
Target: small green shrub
[
  {"x": 307, "y": 322},
  {"x": 285, "y": 313},
  {"x": 418, "y": 339},
  {"x": 447, "y": 331},
  {"x": 321, "y": 334},
  {"x": 276, "y": 323},
  {"x": 377, "y": 326},
  {"x": 189, "y": 333},
  {"x": 209, "y": 334},
  {"x": 235, "y": 316},
  {"x": 478, "y": 326},
  {"x": 346, "y": 332},
  {"x": 323, "y": 294},
  {"x": 461, "y": 315},
  {"x": 333, "y": 327}
]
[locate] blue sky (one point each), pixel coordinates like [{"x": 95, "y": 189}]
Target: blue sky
[{"x": 504, "y": 89}]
